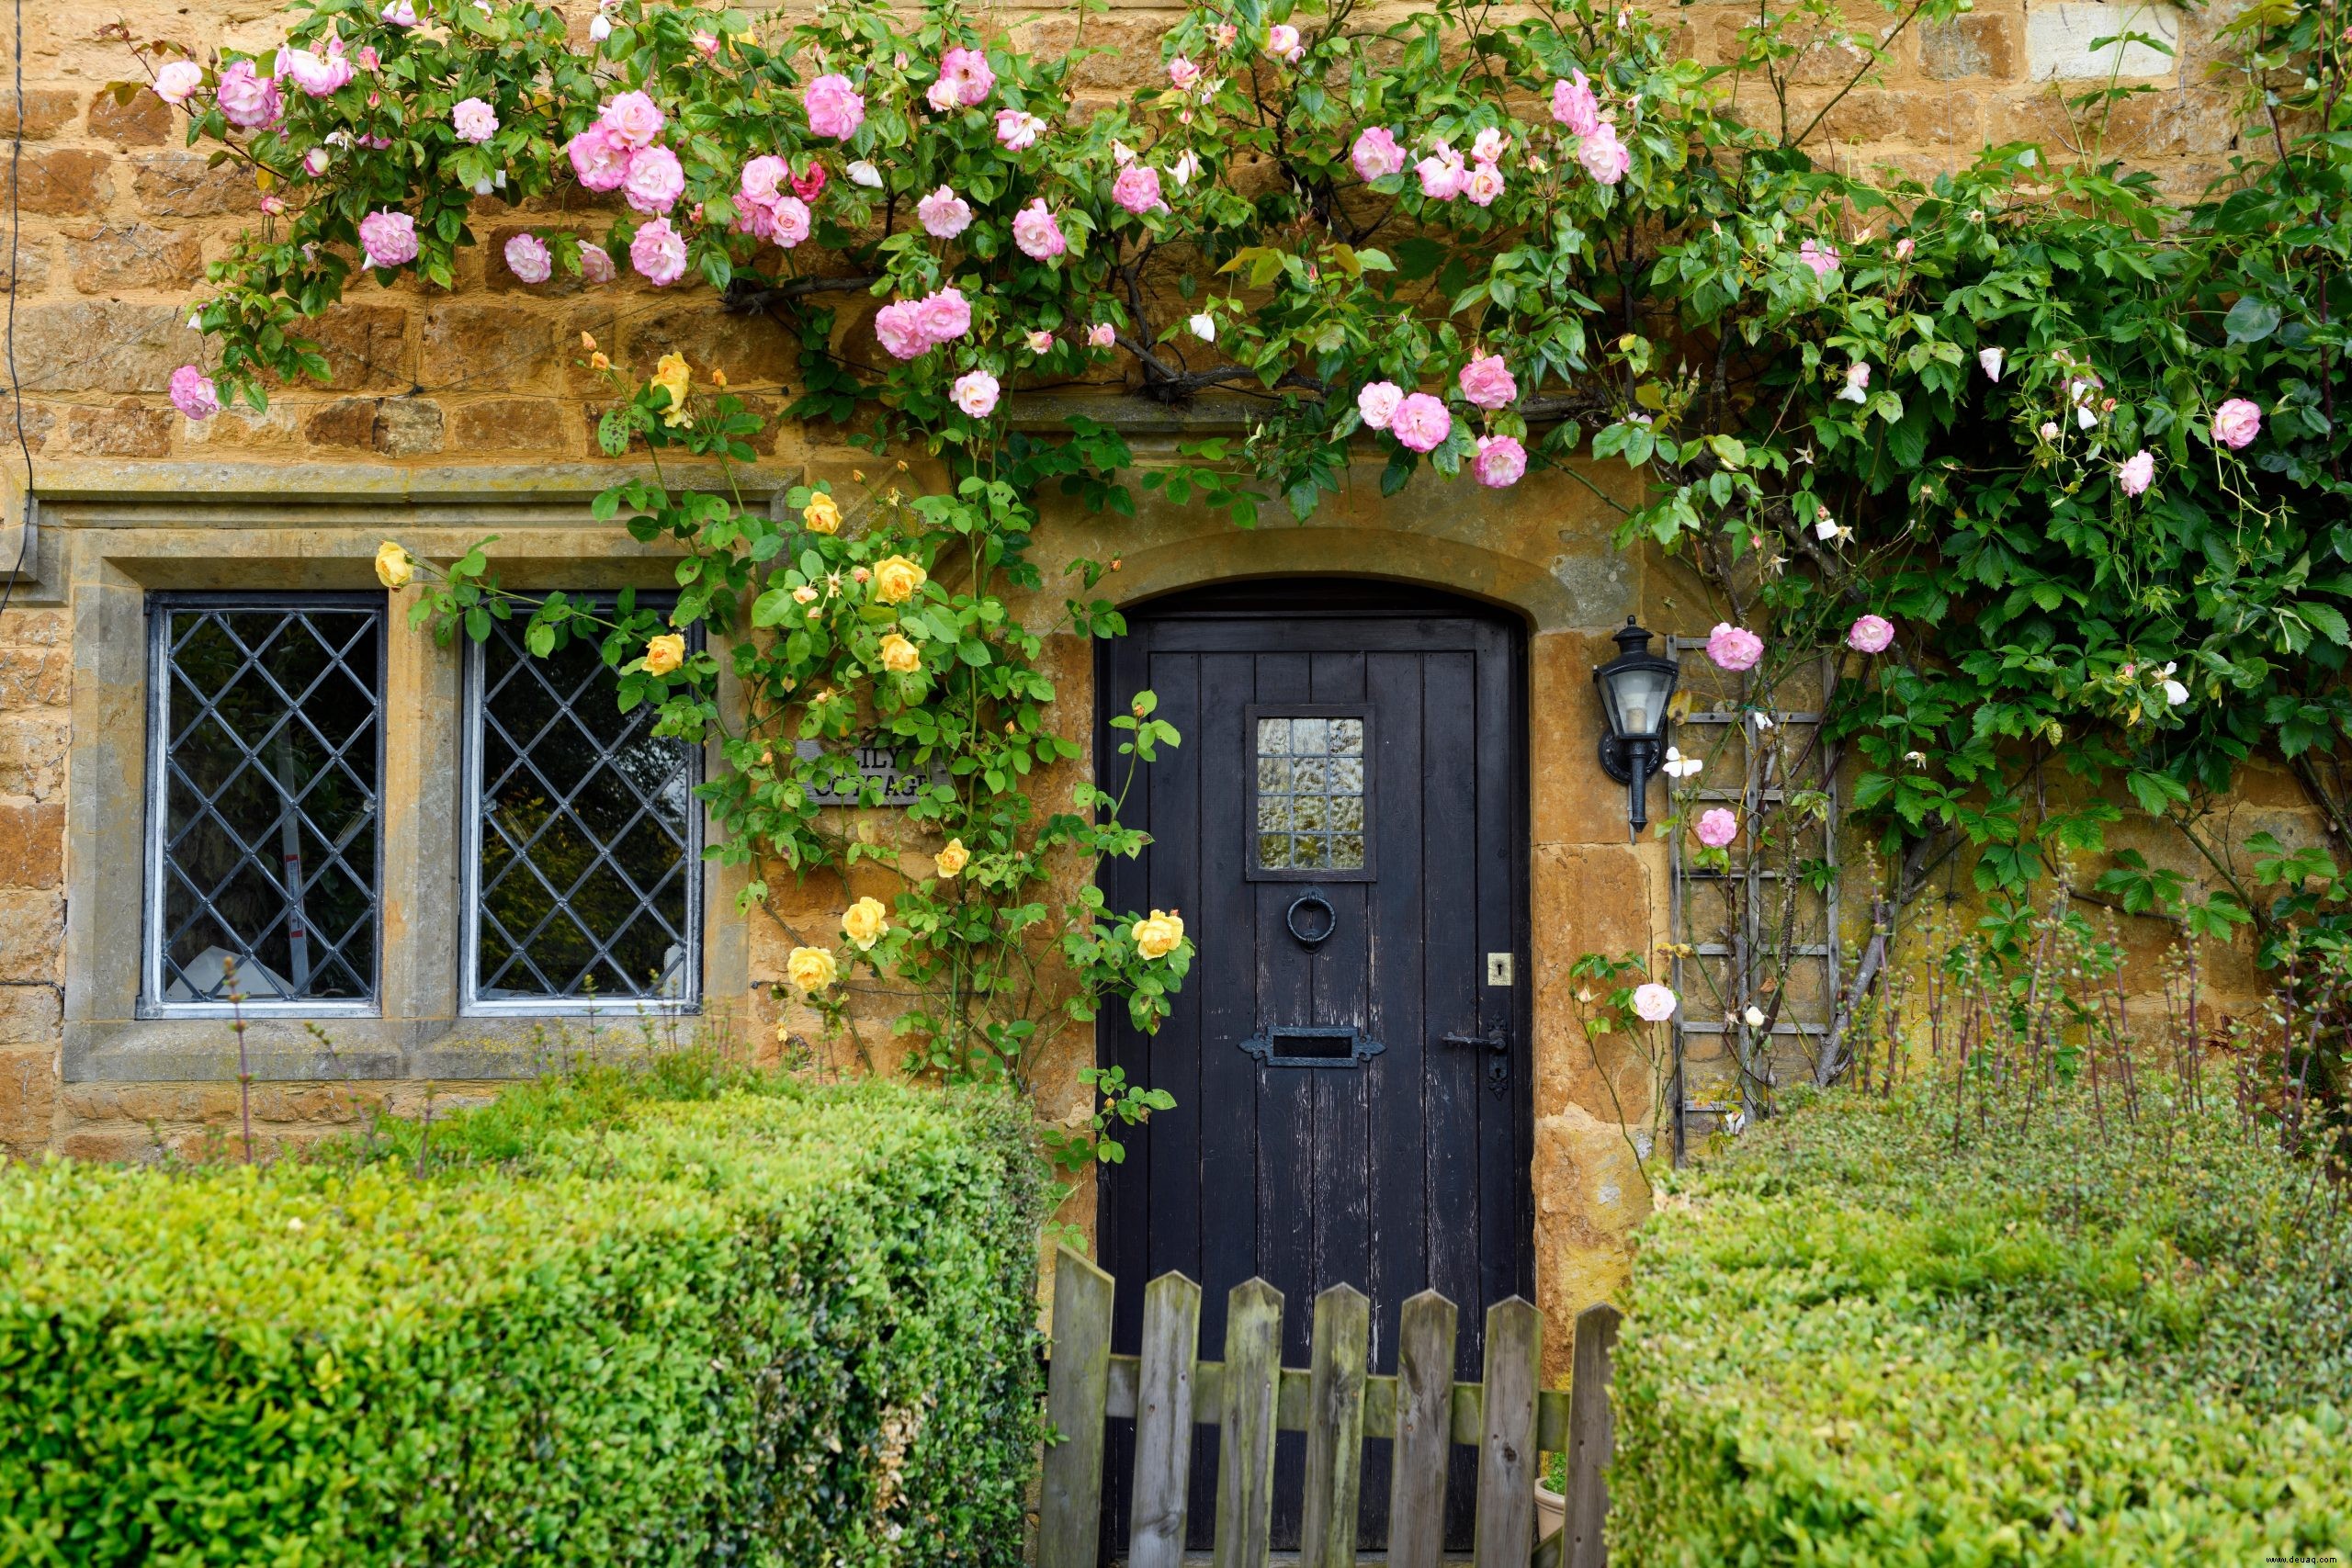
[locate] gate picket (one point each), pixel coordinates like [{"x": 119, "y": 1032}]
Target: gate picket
[
  {"x": 1506, "y": 1448},
  {"x": 1335, "y": 1428},
  {"x": 1171, "y": 1345},
  {"x": 1245, "y": 1459},
  {"x": 1424, "y": 1432}
]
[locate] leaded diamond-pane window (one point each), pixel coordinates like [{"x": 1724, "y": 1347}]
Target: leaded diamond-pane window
[
  {"x": 586, "y": 885},
  {"x": 263, "y": 814},
  {"x": 1310, "y": 795}
]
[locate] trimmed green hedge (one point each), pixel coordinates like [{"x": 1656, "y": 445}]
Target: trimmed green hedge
[
  {"x": 617, "y": 1321},
  {"x": 1854, "y": 1343}
]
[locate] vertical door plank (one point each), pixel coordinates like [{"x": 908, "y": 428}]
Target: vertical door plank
[
  {"x": 1171, "y": 1343},
  {"x": 1423, "y": 1444},
  {"x": 1334, "y": 1428},
  {"x": 1591, "y": 1439},
  {"x": 1506, "y": 1527},
  {"x": 1506, "y": 1121},
  {"x": 1245, "y": 1464},
  {"x": 1071, "y": 1518}
]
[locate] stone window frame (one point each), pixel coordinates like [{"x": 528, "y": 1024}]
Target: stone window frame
[{"x": 108, "y": 534}]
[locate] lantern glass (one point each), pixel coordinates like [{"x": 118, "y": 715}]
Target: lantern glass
[{"x": 1638, "y": 698}]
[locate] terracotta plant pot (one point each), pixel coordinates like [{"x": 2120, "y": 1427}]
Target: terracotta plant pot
[{"x": 1550, "y": 1512}]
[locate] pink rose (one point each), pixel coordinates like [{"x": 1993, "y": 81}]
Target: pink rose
[
  {"x": 1138, "y": 189},
  {"x": 178, "y": 82},
  {"x": 633, "y": 118},
  {"x": 1604, "y": 156},
  {"x": 1102, "y": 335},
  {"x": 1034, "y": 231},
  {"x": 1819, "y": 255},
  {"x": 1183, "y": 74},
  {"x": 1441, "y": 174},
  {"x": 599, "y": 158},
  {"x": 369, "y": 59},
  {"x": 315, "y": 162},
  {"x": 1717, "y": 827},
  {"x": 2139, "y": 471},
  {"x": 389, "y": 238},
  {"x": 400, "y": 13},
  {"x": 1420, "y": 422},
  {"x": 272, "y": 205},
  {"x": 834, "y": 107},
  {"x": 248, "y": 99},
  {"x": 1499, "y": 462},
  {"x": 1224, "y": 34},
  {"x": 655, "y": 180},
  {"x": 787, "y": 221},
  {"x": 1282, "y": 42},
  {"x": 1654, "y": 1003},
  {"x": 968, "y": 71},
  {"x": 1488, "y": 382},
  {"x": 944, "y": 214},
  {"x": 706, "y": 45},
  {"x": 1870, "y": 634},
  {"x": 1017, "y": 131},
  {"x": 1377, "y": 154},
  {"x": 1377, "y": 404},
  {"x": 596, "y": 264},
  {"x": 659, "y": 253},
  {"x": 527, "y": 258},
  {"x": 944, "y": 316},
  {"x": 807, "y": 187},
  {"x": 476, "y": 121},
  {"x": 1483, "y": 183},
  {"x": 2237, "y": 423},
  {"x": 975, "y": 393},
  {"x": 319, "y": 76},
  {"x": 1733, "y": 648},
  {"x": 1573, "y": 106},
  {"x": 900, "y": 327},
  {"x": 1041, "y": 342},
  {"x": 1903, "y": 248},
  {"x": 763, "y": 177},
  {"x": 194, "y": 394}
]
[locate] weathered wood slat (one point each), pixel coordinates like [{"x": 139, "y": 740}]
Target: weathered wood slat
[
  {"x": 1069, "y": 1521},
  {"x": 1335, "y": 1435},
  {"x": 1245, "y": 1408},
  {"x": 1379, "y": 1404},
  {"x": 1171, "y": 1344},
  {"x": 1590, "y": 1439},
  {"x": 1423, "y": 1428},
  {"x": 1506, "y": 1516}
]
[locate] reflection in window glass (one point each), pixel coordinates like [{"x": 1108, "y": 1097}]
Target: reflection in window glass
[
  {"x": 263, "y": 865},
  {"x": 587, "y": 888},
  {"x": 1310, "y": 793}
]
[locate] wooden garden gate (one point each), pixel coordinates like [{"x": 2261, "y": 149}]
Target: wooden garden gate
[{"x": 1250, "y": 1396}]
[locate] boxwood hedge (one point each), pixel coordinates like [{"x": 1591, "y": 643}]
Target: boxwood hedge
[
  {"x": 2053, "y": 1339},
  {"x": 610, "y": 1323}
]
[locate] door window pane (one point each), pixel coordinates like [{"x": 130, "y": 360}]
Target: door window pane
[
  {"x": 586, "y": 884},
  {"x": 1310, "y": 793},
  {"x": 263, "y": 821}
]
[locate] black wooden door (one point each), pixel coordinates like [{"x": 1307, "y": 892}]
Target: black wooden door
[{"x": 1343, "y": 829}]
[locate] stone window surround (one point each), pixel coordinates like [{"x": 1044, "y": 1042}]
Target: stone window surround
[{"x": 110, "y": 533}]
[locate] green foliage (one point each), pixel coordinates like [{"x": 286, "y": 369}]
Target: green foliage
[
  {"x": 2047, "y": 1336},
  {"x": 681, "y": 1316}
]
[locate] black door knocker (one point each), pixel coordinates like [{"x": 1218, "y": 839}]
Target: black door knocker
[{"x": 1312, "y": 900}]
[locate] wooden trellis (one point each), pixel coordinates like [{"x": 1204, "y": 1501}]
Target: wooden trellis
[
  {"x": 1249, "y": 1396},
  {"x": 1723, "y": 1066}
]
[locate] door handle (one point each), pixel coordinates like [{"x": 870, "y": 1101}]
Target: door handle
[{"x": 1496, "y": 1045}]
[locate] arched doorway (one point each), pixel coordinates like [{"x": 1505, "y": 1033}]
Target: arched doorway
[{"x": 1344, "y": 829}]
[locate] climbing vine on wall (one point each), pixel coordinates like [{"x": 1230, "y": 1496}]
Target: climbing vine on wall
[{"x": 2056, "y": 464}]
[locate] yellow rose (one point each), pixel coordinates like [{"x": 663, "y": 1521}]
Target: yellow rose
[
  {"x": 896, "y": 580},
  {"x": 812, "y": 969},
  {"x": 394, "y": 566},
  {"x": 665, "y": 653},
  {"x": 672, "y": 377},
  {"x": 821, "y": 515},
  {"x": 1158, "y": 934},
  {"x": 863, "y": 924},
  {"x": 953, "y": 859},
  {"x": 898, "y": 656}
]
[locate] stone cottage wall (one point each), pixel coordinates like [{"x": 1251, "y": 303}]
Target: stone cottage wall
[{"x": 119, "y": 217}]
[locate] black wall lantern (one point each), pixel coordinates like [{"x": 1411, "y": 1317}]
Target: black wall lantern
[{"x": 1636, "y": 687}]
